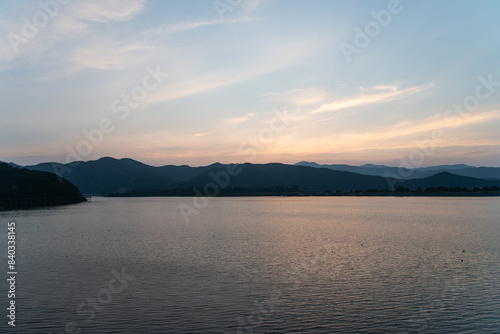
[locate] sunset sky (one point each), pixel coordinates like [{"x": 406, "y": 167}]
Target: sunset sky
[{"x": 204, "y": 81}]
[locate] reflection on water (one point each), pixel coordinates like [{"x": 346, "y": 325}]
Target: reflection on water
[{"x": 260, "y": 265}]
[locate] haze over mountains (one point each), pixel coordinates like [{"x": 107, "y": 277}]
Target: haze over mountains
[{"x": 118, "y": 176}]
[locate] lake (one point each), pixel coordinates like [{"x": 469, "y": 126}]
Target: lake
[{"x": 257, "y": 265}]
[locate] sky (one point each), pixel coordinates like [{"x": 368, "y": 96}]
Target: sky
[{"x": 400, "y": 83}]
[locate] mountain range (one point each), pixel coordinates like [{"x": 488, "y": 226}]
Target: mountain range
[
  {"x": 126, "y": 176},
  {"x": 413, "y": 173}
]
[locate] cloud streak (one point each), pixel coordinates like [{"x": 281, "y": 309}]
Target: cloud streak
[
  {"x": 400, "y": 135},
  {"x": 66, "y": 22},
  {"x": 239, "y": 120},
  {"x": 389, "y": 93},
  {"x": 272, "y": 58},
  {"x": 191, "y": 25}
]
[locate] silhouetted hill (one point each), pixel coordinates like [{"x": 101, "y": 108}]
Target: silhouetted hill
[
  {"x": 480, "y": 172},
  {"x": 446, "y": 179},
  {"x": 109, "y": 175},
  {"x": 21, "y": 187},
  {"x": 281, "y": 175}
]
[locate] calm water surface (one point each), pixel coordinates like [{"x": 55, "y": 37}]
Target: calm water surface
[{"x": 258, "y": 265}]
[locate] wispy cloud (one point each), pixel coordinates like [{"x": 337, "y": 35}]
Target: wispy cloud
[
  {"x": 202, "y": 134},
  {"x": 386, "y": 94},
  {"x": 435, "y": 122},
  {"x": 401, "y": 135},
  {"x": 269, "y": 59},
  {"x": 109, "y": 56},
  {"x": 69, "y": 22},
  {"x": 191, "y": 25},
  {"x": 239, "y": 120}
]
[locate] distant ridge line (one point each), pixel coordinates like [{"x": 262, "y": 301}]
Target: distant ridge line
[{"x": 127, "y": 176}]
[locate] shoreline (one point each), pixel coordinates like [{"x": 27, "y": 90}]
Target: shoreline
[
  {"x": 37, "y": 202},
  {"x": 353, "y": 194}
]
